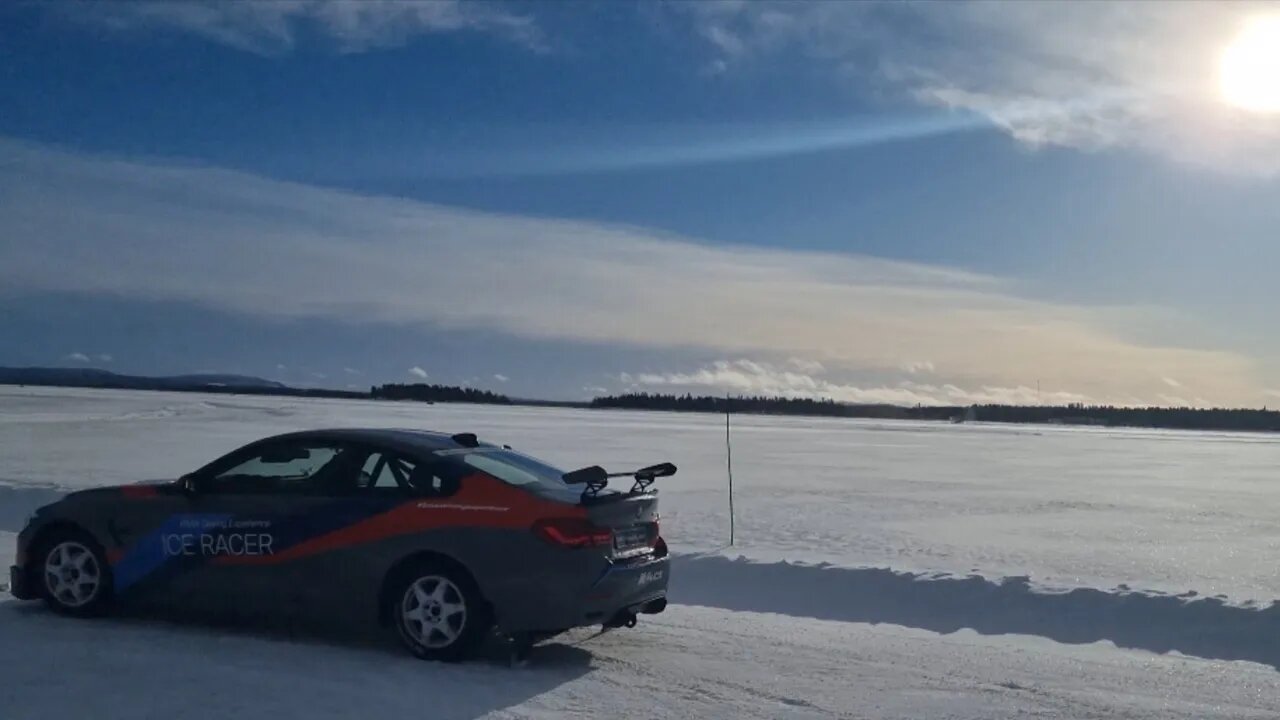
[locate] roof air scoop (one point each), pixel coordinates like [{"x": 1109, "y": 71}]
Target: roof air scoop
[{"x": 466, "y": 439}]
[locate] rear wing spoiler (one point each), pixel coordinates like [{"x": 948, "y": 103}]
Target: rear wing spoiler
[{"x": 595, "y": 478}]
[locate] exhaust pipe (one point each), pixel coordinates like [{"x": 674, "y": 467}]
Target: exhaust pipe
[
  {"x": 625, "y": 618},
  {"x": 653, "y": 607}
]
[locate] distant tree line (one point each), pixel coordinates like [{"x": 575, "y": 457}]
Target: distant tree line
[
  {"x": 1184, "y": 418},
  {"x": 1073, "y": 414},
  {"x": 437, "y": 393},
  {"x": 753, "y": 404},
  {"x": 278, "y": 391}
]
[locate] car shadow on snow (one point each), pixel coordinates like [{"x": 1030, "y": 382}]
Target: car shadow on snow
[
  {"x": 1203, "y": 627},
  {"x": 346, "y": 671}
]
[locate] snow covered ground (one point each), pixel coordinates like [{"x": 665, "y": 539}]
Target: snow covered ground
[{"x": 882, "y": 570}]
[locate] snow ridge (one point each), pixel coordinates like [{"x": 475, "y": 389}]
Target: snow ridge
[{"x": 1206, "y": 627}]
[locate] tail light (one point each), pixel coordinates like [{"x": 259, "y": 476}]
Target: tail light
[{"x": 573, "y": 533}]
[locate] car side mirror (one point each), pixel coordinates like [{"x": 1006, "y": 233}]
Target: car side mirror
[{"x": 189, "y": 484}]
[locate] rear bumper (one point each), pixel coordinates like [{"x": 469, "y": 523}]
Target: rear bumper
[
  {"x": 621, "y": 590},
  {"x": 20, "y": 583}
]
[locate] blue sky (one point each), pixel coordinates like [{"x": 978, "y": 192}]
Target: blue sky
[{"x": 901, "y": 203}]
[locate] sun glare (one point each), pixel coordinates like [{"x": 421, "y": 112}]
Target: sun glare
[{"x": 1249, "y": 69}]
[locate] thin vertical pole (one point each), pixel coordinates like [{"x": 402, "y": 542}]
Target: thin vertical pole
[{"x": 728, "y": 458}]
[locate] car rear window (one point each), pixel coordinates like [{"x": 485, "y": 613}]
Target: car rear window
[{"x": 520, "y": 470}]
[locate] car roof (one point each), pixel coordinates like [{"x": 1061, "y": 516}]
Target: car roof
[{"x": 405, "y": 439}]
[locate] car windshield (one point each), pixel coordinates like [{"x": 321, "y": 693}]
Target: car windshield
[{"x": 520, "y": 470}]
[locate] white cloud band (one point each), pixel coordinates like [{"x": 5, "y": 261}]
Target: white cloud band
[{"x": 262, "y": 247}]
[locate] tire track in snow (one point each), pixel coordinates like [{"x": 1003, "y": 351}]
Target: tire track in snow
[{"x": 701, "y": 687}]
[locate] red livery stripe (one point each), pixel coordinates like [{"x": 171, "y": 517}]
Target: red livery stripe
[
  {"x": 482, "y": 501},
  {"x": 139, "y": 491}
]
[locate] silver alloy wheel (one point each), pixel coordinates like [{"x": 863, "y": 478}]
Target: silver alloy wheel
[
  {"x": 433, "y": 611},
  {"x": 71, "y": 574}
]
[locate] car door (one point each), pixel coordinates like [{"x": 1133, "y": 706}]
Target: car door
[
  {"x": 368, "y": 526},
  {"x": 346, "y": 551},
  {"x": 247, "y": 520}
]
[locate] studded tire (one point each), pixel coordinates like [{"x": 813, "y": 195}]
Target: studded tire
[
  {"x": 438, "y": 612},
  {"x": 72, "y": 574}
]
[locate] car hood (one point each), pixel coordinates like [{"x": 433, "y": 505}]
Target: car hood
[{"x": 117, "y": 489}]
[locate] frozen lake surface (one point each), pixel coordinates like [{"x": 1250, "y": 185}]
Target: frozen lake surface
[
  {"x": 1067, "y": 507},
  {"x": 887, "y": 570}
]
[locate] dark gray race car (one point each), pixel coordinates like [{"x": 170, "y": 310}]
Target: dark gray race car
[{"x": 440, "y": 536}]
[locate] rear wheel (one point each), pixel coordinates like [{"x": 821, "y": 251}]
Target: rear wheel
[
  {"x": 75, "y": 578},
  {"x": 438, "y": 612}
]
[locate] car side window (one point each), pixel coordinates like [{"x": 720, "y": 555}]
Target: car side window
[
  {"x": 384, "y": 473},
  {"x": 282, "y": 468},
  {"x": 435, "y": 480}
]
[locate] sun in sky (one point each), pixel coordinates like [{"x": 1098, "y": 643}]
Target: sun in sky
[{"x": 1249, "y": 68}]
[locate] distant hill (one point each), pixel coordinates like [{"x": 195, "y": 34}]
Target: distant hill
[{"x": 97, "y": 378}]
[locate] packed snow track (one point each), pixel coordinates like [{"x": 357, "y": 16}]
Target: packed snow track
[{"x": 694, "y": 661}]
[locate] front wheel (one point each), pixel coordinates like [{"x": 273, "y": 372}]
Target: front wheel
[
  {"x": 438, "y": 612},
  {"x": 75, "y": 576}
]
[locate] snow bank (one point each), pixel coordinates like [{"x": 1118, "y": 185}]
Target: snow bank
[{"x": 1204, "y": 627}]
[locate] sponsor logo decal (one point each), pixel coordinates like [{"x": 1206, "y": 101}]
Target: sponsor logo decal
[
  {"x": 455, "y": 506},
  {"x": 649, "y": 576},
  {"x": 218, "y": 536}
]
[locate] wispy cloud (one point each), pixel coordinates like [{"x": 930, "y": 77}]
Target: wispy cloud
[
  {"x": 203, "y": 235},
  {"x": 500, "y": 377},
  {"x": 85, "y": 358},
  {"x": 916, "y": 367},
  {"x": 1085, "y": 75},
  {"x": 351, "y": 371},
  {"x": 806, "y": 366},
  {"x": 691, "y": 144},
  {"x": 418, "y": 372},
  {"x": 751, "y": 377},
  {"x": 278, "y": 26}
]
